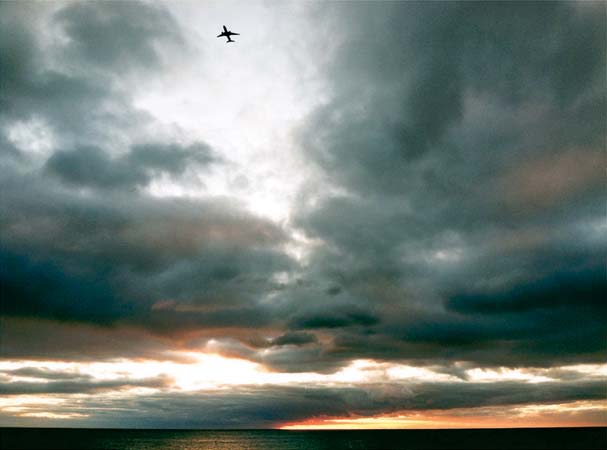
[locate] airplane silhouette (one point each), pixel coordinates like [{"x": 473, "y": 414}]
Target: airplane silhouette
[{"x": 227, "y": 34}]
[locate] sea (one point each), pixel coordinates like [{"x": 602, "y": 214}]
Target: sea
[{"x": 122, "y": 439}]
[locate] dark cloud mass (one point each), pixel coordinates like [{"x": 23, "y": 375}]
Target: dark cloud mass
[
  {"x": 114, "y": 36},
  {"x": 89, "y": 166},
  {"x": 98, "y": 260},
  {"x": 81, "y": 239},
  {"x": 459, "y": 220},
  {"x": 294, "y": 339},
  {"x": 431, "y": 140}
]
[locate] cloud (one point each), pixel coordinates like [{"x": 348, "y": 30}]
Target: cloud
[
  {"x": 90, "y": 166},
  {"x": 96, "y": 260},
  {"x": 292, "y": 338},
  {"x": 554, "y": 179},
  {"x": 455, "y": 152},
  {"x": 460, "y": 159},
  {"x": 335, "y": 320},
  {"x": 558, "y": 291},
  {"x": 46, "y": 374},
  {"x": 115, "y": 38},
  {"x": 43, "y": 290},
  {"x": 402, "y": 136},
  {"x": 28, "y": 338},
  {"x": 269, "y": 406},
  {"x": 79, "y": 386},
  {"x": 85, "y": 239},
  {"x": 77, "y": 76}
]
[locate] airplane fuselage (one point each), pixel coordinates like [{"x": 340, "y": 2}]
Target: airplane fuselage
[{"x": 227, "y": 33}]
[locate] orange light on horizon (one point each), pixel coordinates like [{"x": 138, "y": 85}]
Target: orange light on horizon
[{"x": 575, "y": 414}]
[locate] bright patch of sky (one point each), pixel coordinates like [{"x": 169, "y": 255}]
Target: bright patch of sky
[
  {"x": 210, "y": 371},
  {"x": 243, "y": 103}
]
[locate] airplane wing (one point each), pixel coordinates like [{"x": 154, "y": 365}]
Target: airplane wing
[
  {"x": 233, "y": 34},
  {"x": 220, "y": 35}
]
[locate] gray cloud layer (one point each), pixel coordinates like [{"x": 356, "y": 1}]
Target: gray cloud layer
[
  {"x": 81, "y": 240},
  {"x": 90, "y": 167},
  {"x": 465, "y": 140},
  {"x": 263, "y": 407}
]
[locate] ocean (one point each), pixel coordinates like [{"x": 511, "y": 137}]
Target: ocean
[{"x": 121, "y": 439}]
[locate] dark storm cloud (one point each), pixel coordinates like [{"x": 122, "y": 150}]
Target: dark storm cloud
[
  {"x": 44, "y": 339},
  {"x": 115, "y": 37},
  {"x": 163, "y": 264},
  {"x": 465, "y": 138},
  {"x": 82, "y": 242},
  {"x": 588, "y": 289},
  {"x": 468, "y": 153},
  {"x": 338, "y": 319},
  {"x": 90, "y": 166},
  {"x": 70, "y": 100},
  {"x": 551, "y": 317},
  {"x": 397, "y": 121},
  {"x": 294, "y": 339},
  {"x": 34, "y": 289}
]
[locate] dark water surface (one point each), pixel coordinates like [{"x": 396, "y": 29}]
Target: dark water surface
[{"x": 530, "y": 438}]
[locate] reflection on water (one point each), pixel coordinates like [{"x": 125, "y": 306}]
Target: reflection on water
[{"x": 548, "y": 438}]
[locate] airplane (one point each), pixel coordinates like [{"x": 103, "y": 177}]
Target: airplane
[{"x": 227, "y": 34}]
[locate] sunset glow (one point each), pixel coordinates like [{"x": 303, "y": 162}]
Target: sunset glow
[{"x": 579, "y": 415}]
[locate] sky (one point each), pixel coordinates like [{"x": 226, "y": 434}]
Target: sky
[{"x": 358, "y": 215}]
